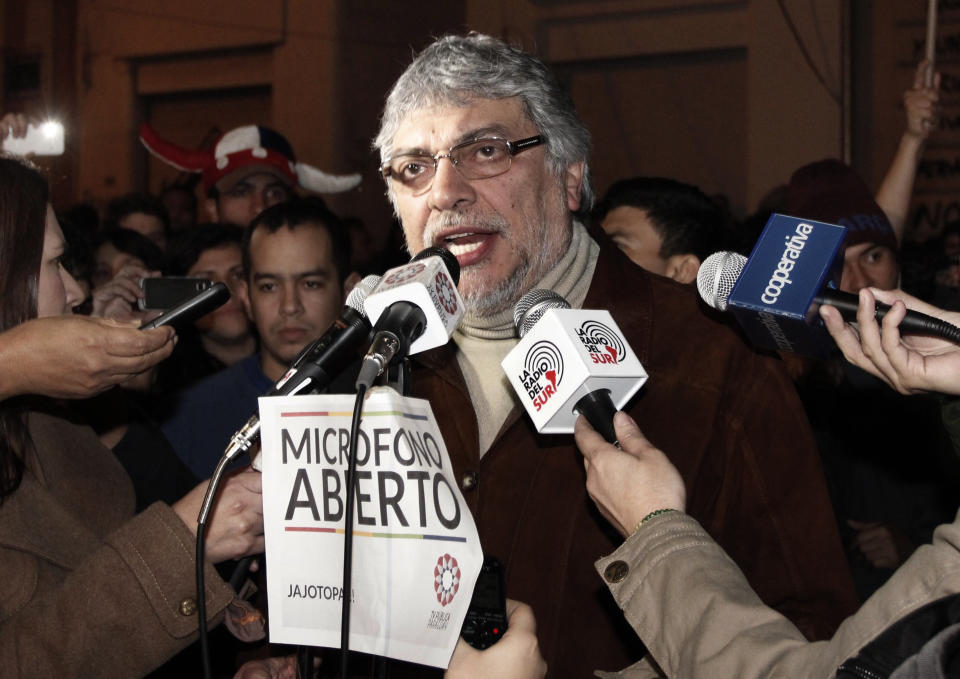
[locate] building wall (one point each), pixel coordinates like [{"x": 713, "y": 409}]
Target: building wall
[
  {"x": 732, "y": 95},
  {"x": 711, "y": 92}
]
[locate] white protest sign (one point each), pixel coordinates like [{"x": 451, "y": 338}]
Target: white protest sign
[{"x": 416, "y": 552}]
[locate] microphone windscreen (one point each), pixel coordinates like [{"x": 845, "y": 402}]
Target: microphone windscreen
[
  {"x": 533, "y": 305},
  {"x": 717, "y": 276},
  {"x": 360, "y": 292}
]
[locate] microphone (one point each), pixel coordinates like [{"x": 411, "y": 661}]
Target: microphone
[
  {"x": 414, "y": 307},
  {"x": 568, "y": 362},
  {"x": 775, "y": 294},
  {"x": 318, "y": 363},
  {"x": 321, "y": 360}
]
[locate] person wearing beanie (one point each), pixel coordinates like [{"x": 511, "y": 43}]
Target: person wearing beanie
[
  {"x": 248, "y": 169},
  {"x": 886, "y": 503},
  {"x": 830, "y": 191}
]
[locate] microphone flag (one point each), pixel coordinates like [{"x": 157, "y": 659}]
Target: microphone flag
[
  {"x": 417, "y": 553},
  {"x": 792, "y": 262},
  {"x": 565, "y": 356}
]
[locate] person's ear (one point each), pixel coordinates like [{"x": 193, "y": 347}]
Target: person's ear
[
  {"x": 243, "y": 294},
  {"x": 210, "y": 207},
  {"x": 682, "y": 268},
  {"x": 573, "y": 180},
  {"x": 349, "y": 283}
]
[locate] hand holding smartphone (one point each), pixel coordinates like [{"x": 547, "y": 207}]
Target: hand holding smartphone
[
  {"x": 192, "y": 309},
  {"x": 169, "y": 291}
]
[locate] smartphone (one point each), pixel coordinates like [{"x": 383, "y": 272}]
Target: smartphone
[
  {"x": 168, "y": 292},
  {"x": 192, "y": 309},
  {"x": 45, "y": 139},
  {"x": 486, "y": 619}
]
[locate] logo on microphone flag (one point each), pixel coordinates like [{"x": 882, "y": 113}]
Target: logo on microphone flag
[
  {"x": 602, "y": 343},
  {"x": 446, "y": 579}
]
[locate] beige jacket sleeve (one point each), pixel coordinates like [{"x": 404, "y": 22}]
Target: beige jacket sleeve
[
  {"x": 124, "y": 610},
  {"x": 698, "y": 617}
]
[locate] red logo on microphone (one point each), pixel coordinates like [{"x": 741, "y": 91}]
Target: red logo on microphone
[
  {"x": 542, "y": 372},
  {"x": 602, "y": 343},
  {"x": 445, "y": 292},
  {"x": 403, "y": 274},
  {"x": 446, "y": 579}
]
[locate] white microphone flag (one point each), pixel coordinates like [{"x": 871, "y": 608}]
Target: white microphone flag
[
  {"x": 416, "y": 551},
  {"x": 565, "y": 356}
]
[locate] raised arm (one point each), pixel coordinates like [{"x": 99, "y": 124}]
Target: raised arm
[{"x": 896, "y": 189}]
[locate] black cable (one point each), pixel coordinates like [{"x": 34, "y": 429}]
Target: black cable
[
  {"x": 348, "y": 534},
  {"x": 233, "y": 449},
  {"x": 202, "y": 605}
]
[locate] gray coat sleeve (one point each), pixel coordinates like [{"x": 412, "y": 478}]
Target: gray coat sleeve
[{"x": 693, "y": 609}]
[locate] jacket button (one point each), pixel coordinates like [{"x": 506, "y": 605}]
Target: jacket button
[
  {"x": 616, "y": 571},
  {"x": 188, "y": 606},
  {"x": 469, "y": 480}
]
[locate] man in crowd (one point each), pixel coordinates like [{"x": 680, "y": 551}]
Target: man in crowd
[
  {"x": 886, "y": 503},
  {"x": 181, "y": 204},
  {"x": 296, "y": 259},
  {"x": 224, "y": 336},
  {"x": 483, "y": 154},
  {"x": 248, "y": 169},
  {"x": 663, "y": 225},
  {"x": 142, "y": 213}
]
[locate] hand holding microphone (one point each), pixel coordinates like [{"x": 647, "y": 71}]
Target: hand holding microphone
[
  {"x": 628, "y": 482},
  {"x": 792, "y": 270},
  {"x": 909, "y": 364}
]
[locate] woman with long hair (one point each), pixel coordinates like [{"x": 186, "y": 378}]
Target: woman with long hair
[{"x": 87, "y": 588}]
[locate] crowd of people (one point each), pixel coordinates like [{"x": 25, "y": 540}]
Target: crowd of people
[{"x": 799, "y": 521}]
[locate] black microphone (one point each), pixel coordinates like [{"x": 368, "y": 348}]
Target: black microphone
[
  {"x": 721, "y": 270},
  {"x": 321, "y": 360},
  {"x": 415, "y": 307}
]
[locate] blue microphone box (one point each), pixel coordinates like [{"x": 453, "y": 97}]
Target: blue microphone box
[{"x": 774, "y": 297}]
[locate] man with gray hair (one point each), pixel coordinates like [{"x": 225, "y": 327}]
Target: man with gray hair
[{"x": 483, "y": 154}]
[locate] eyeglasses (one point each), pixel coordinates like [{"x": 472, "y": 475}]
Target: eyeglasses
[{"x": 474, "y": 159}]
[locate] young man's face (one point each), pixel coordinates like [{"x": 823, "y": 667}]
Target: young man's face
[
  {"x": 243, "y": 201},
  {"x": 633, "y": 232},
  {"x": 506, "y": 231},
  {"x": 869, "y": 265},
  {"x": 226, "y": 324},
  {"x": 292, "y": 292}
]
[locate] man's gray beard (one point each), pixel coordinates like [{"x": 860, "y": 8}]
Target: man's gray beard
[
  {"x": 507, "y": 292},
  {"x": 504, "y": 294}
]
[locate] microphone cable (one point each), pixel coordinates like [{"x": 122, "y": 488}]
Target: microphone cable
[{"x": 348, "y": 534}]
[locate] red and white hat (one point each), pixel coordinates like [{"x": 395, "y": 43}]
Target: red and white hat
[{"x": 242, "y": 152}]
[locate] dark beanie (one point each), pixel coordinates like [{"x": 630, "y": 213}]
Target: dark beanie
[{"x": 830, "y": 191}]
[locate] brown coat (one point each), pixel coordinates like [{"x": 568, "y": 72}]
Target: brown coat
[
  {"x": 87, "y": 589},
  {"x": 730, "y": 421}
]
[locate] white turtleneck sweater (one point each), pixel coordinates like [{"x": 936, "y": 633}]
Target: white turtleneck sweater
[{"x": 483, "y": 342}]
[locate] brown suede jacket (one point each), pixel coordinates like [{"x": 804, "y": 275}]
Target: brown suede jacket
[
  {"x": 87, "y": 589},
  {"x": 730, "y": 421}
]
